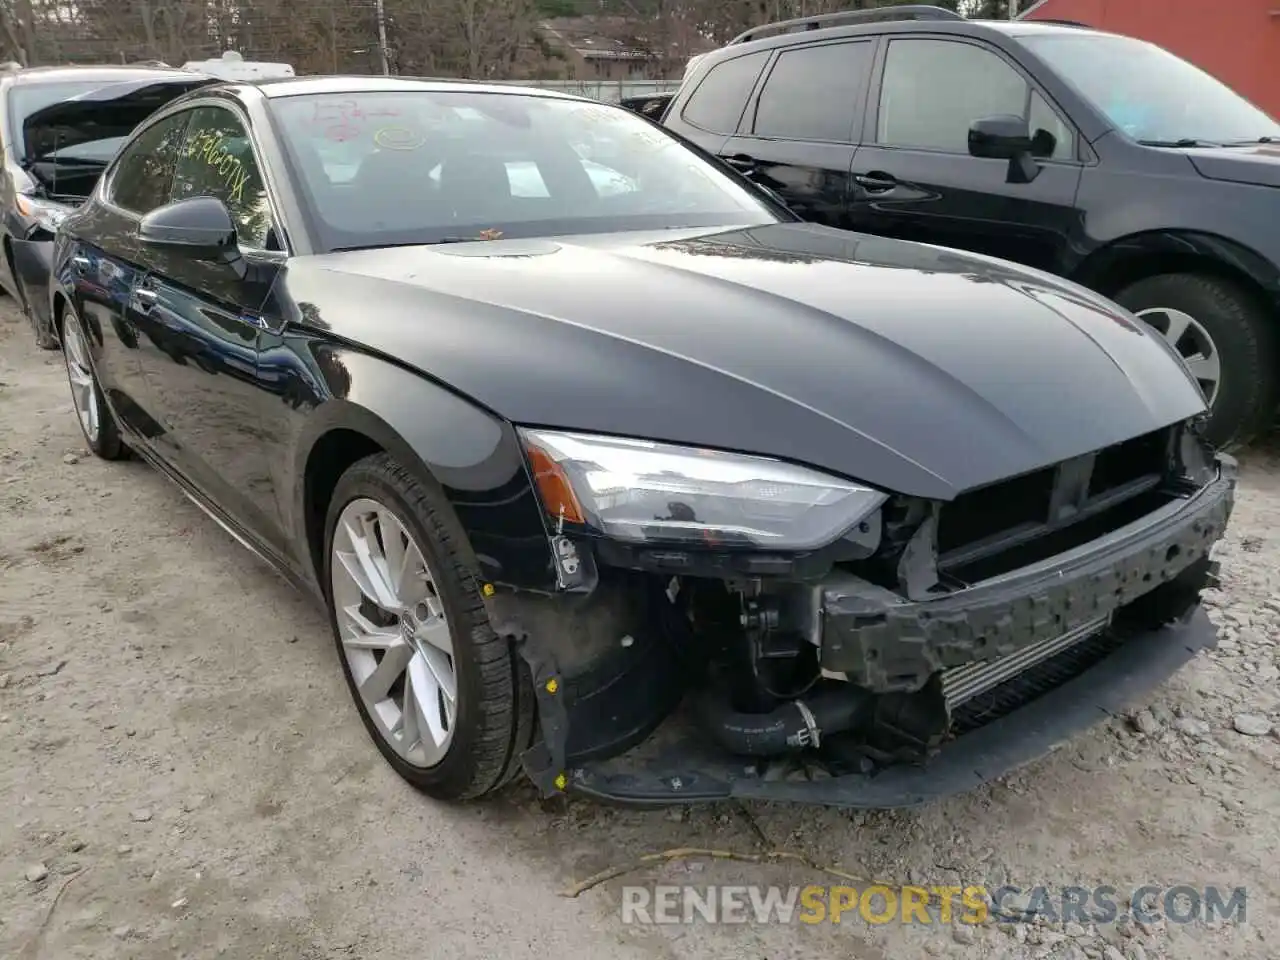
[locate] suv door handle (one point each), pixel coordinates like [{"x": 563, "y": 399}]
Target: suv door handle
[
  {"x": 875, "y": 181},
  {"x": 741, "y": 162}
]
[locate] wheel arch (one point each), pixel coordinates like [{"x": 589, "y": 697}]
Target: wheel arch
[
  {"x": 469, "y": 456},
  {"x": 1138, "y": 256}
]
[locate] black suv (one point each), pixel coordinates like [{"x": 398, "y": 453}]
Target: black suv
[{"x": 1097, "y": 157}]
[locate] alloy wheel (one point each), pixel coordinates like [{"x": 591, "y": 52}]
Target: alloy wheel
[
  {"x": 394, "y": 632},
  {"x": 1192, "y": 343},
  {"x": 84, "y": 392}
]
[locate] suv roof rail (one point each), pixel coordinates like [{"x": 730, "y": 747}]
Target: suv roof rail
[{"x": 839, "y": 18}]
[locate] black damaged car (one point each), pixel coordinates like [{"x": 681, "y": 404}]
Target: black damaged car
[
  {"x": 624, "y": 477},
  {"x": 59, "y": 127}
]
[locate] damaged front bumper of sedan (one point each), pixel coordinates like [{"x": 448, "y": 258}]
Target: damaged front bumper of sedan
[{"x": 933, "y": 654}]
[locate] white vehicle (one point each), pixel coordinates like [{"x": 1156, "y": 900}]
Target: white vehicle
[{"x": 232, "y": 66}]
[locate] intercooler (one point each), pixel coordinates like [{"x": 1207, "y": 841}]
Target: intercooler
[{"x": 964, "y": 683}]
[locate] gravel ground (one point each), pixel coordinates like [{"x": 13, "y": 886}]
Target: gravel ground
[{"x": 182, "y": 774}]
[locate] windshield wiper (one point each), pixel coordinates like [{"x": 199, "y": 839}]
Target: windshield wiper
[
  {"x": 1184, "y": 142},
  {"x": 1255, "y": 140}
]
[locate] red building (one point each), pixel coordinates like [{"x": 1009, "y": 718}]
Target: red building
[{"x": 1238, "y": 41}]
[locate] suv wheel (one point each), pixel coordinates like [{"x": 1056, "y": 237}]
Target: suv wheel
[
  {"x": 1227, "y": 342},
  {"x": 446, "y": 700}
]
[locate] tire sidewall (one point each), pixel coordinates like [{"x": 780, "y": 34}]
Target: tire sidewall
[
  {"x": 107, "y": 444},
  {"x": 454, "y": 768},
  {"x": 1246, "y": 392}
]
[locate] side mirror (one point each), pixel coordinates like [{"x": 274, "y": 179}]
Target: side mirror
[
  {"x": 201, "y": 226},
  {"x": 1006, "y": 137}
]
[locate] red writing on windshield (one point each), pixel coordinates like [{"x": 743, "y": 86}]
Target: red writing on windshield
[{"x": 344, "y": 120}]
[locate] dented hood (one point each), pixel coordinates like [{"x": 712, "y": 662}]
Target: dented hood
[
  {"x": 921, "y": 370},
  {"x": 112, "y": 110}
]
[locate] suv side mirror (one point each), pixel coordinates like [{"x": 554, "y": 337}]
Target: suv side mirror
[
  {"x": 201, "y": 226},
  {"x": 1006, "y": 137}
]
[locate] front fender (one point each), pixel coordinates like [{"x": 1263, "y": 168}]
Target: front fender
[{"x": 472, "y": 457}]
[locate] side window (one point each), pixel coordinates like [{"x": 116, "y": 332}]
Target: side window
[
  {"x": 934, "y": 89},
  {"x": 143, "y": 174},
  {"x": 217, "y": 161},
  {"x": 813, "y": 93},
  {"x": 717, "y": 103},
  {"x": 1041, "y": 116}
]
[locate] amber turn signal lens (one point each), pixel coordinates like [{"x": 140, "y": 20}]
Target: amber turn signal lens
[{"x": 554, "y": 486}]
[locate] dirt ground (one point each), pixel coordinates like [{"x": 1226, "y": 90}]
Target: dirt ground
[{"x": 182, "y": 774}]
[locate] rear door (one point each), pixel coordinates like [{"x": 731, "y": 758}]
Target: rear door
[
  {"x": 797, "y": 134},
  {"x": 913, "y": 177}
]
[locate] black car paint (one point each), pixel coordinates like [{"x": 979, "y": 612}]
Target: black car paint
[
  {"x": 238, "y": 383},
  {"x": 253, "y": 381},
  {"x": 1095, "y": 219},
  {"x": 26, "y": 265}
]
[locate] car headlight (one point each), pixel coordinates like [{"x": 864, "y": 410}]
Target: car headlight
[
  {"x": 642, "y": 491},
  {"x": 47, "y": 214}
]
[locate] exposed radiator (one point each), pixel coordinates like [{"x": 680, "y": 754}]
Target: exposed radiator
[{"x": 961, "y": 684}]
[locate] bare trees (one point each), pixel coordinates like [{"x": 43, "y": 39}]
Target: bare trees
[{"x": 468, "y": 38}]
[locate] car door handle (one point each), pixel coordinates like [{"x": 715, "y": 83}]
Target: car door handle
[
  {"x": 742, "y": 162},
  {"x": 875, "y": 182},
  {"x": 81, "y": 264},
  {"x": 147, "y": 295}
]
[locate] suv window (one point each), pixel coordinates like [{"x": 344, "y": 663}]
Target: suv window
[
  {"x": 143, "y": 175},
  {"x": 217, "y": 161},
  {"x": 716, "y": 104},
  {"x": 934, "y": 89},
  {"x": 813, "y": 93}
]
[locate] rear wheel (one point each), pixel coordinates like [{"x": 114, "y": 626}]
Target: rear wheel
[
  {"x": 446, "y": 700},
  {"x": 1227, "y": 341},
  {"x": 96, "y": 422}
]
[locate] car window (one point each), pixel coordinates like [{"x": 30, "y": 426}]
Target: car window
[
  {"x": 426, "y": 165},
  {"x": 933, "y": 90},
  {"x": 813, "y": 93},
  {"x": 217, "y": 161},
  {"x": 1041, "y": 116},
  {"x": 143, "y": 175},
  {"x": 716, "y": 104}
]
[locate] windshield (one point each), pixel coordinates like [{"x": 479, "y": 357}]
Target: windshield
[
  {"x": 1150, "y": 94},
  {"x": 26, "y": 99},
  {"x": 384, "y": 169}
]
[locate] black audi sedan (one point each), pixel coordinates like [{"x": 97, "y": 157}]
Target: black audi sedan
[
  {"x": 620, "y": 475},
  {"x": 59, "y": 127}
]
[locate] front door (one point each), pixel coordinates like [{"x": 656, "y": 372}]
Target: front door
[
  {"x": 913, "y": 177},
  {"x": 202, "y": 322},
  {"x": 797, "y": 136},
  {"x": 107, "y": 260}
]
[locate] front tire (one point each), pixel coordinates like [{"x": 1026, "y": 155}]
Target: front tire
[
  {"x": 96, "y": 421},
  {"x": 446, "y": 700},
  {"x": 1227, "y": 341}
]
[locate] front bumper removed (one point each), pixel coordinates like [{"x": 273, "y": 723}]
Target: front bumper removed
[
  {"x": 690, "y": 769},
  {"x": 1020, "y": 663},
  {"x": 884, "y": 644}
]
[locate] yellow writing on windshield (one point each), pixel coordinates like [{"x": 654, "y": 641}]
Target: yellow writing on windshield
[{"x": 209, "y": 146}]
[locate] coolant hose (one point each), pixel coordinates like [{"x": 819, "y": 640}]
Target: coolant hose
[{"x": 796, "y": 725}]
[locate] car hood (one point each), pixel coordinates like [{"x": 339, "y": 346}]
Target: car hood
[
  {"x": 112, "y": 110},
  {"x": 1258, "y": 165},
  {"x": 922, "y": 370}
]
